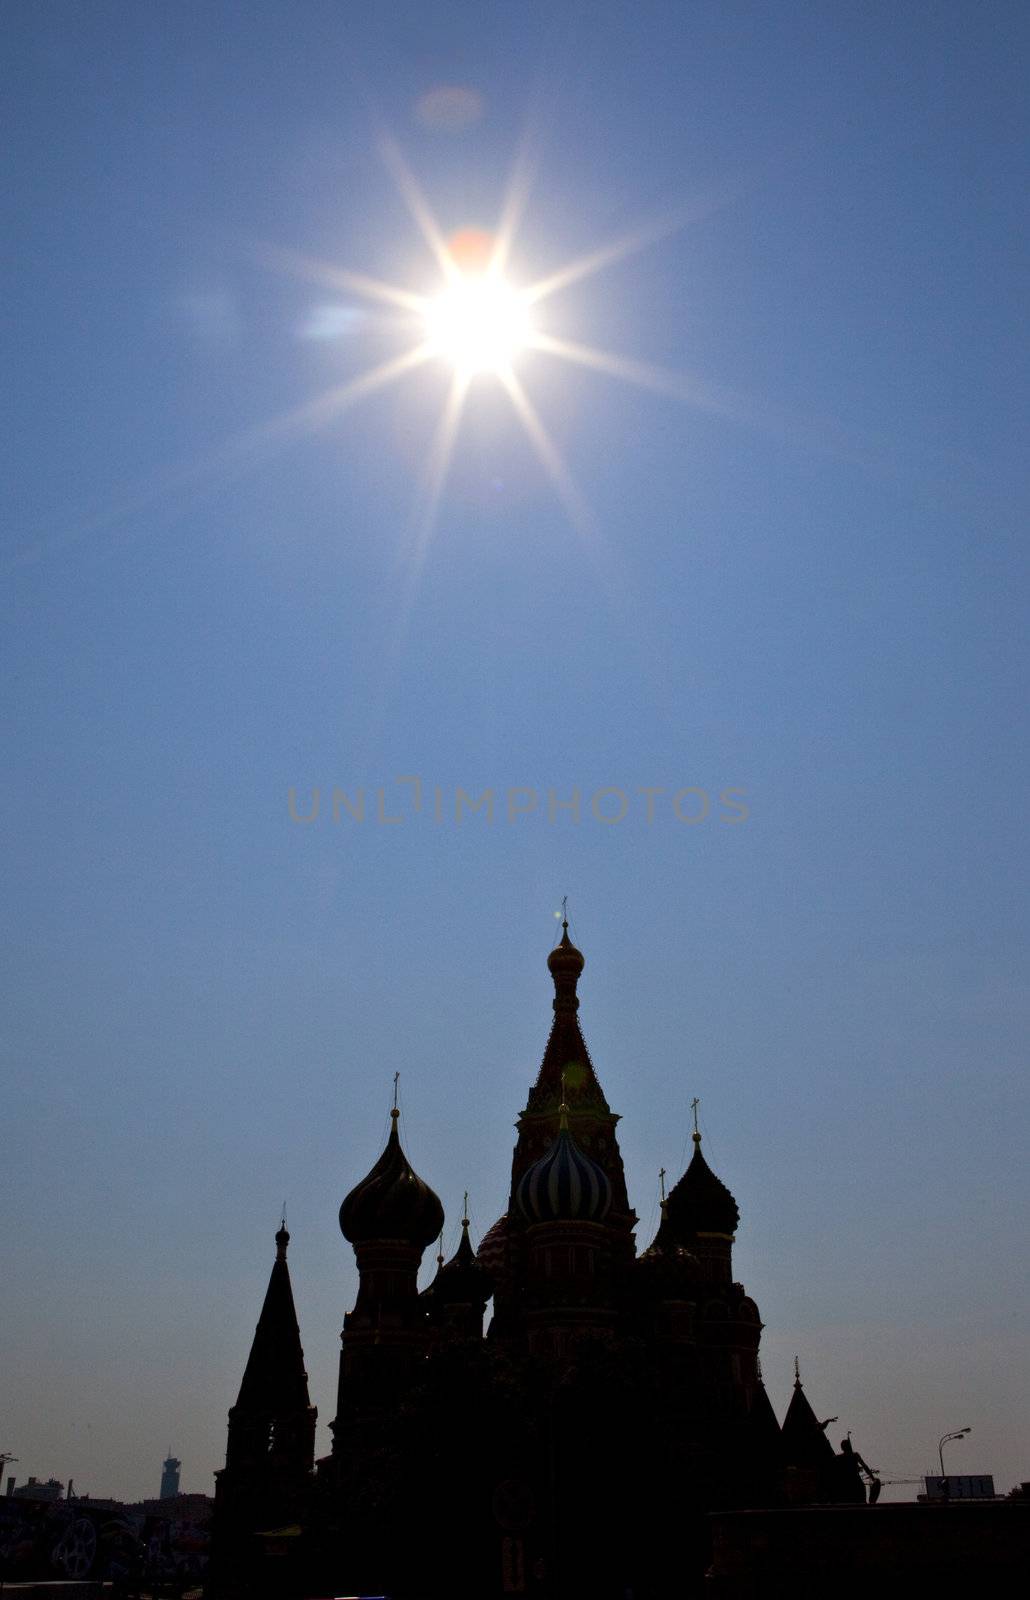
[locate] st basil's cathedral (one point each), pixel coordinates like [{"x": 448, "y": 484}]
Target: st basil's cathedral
[{"x": 575, "y": 1447}]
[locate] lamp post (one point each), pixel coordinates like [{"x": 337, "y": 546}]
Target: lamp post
[{"x": 958, "y": 1433}]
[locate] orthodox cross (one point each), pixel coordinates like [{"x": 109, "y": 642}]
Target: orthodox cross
[
  {"x": 396, "y": 1076},
  {"x": 797, "y": 1371},
  {"x": 661, "y": 1180},
  {"x": 693, "y": 1106},
  {"x": 439, "y": 1247},
  {"x": 465, "y": 1210},
  {"x": 565, "y": 909}
]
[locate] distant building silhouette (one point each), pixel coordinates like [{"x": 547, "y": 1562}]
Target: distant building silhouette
[
  {"x": 34, "y": 1490},
  {"x": 170, "y": 1478}
]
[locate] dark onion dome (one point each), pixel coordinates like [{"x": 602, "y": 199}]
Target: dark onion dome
[
  {"x": 565, "y": 961},
  {"x": 565, "y": 1185},
  {"x": 463, "y": 1280},
  {"x": 393, "y": 1202},
  {"x": 700, "y": 1202}
]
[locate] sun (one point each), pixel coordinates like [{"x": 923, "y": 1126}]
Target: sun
[{"x": 479, "y": 323}]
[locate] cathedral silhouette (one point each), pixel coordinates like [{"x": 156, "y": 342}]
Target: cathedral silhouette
[{"x": 577, "y": 1447}]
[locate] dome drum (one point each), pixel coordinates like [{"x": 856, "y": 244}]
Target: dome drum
[
  {"x": 713, "y": 1252},
  {"x": 572, "y": 1250},
  {"x": 388, "y": 1255}
]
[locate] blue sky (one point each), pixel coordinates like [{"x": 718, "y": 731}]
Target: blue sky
[{"x": 810, "y": 588}]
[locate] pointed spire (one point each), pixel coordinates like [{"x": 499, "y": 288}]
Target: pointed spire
[
  {"x": 566, "y": 1052},
  {"x": 804, "y": 1442},
  {"x": 590, "y": 1117},
  {"x": 275, "y": 1379}
]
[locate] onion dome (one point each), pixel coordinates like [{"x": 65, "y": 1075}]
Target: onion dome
[
  {"x": 701, "y": 1202},
  {"x": 393, "y": 1202},
  {"x": 462, "y": 1281},
  {"x": 565, "y": 1185},
  {"x": 565, "y": 963},
  {"x": 492, "y": 1254},
  {"x": 665, "y": 1264}
]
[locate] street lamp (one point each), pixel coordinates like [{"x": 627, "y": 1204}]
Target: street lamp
[{"x": 959, "y": 1433}]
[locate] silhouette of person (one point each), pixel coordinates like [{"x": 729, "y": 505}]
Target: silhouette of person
[
  {"x": 849, "y": 1485},
  {"x": 851, "y": 1469}
]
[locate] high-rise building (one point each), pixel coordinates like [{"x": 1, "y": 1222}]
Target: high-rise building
[{"x": 170, "y": 1477}]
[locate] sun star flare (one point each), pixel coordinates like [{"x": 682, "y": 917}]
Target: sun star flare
[{"x": 480, "y": 323}]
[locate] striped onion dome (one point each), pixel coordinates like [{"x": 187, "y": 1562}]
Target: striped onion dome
[
  {"x": 393, "y": 1202},
  {"x": 492, "y": 1254},
  {"x": 564, "y": 1185}
]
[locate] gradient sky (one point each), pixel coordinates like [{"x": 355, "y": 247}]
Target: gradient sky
[{"x": 811, "y": 587}]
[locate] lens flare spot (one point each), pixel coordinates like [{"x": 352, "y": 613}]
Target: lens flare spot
[{"x": 472, "y": 249}]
